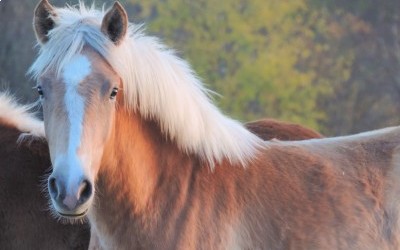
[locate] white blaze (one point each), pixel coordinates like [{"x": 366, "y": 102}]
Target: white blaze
[{"x": 73, "y": 74}]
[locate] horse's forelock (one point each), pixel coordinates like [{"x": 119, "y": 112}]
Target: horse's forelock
[{"x": 76, "y": 27}]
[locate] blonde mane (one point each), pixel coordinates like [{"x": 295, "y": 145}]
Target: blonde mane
[
  {"x": 153, "y": 76},
  {"x": 18, "y": 116}
]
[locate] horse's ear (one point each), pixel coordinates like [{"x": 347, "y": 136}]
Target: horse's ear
[
  {"x": 43, "y": 20},
  {"x": 115, "y": 23}
]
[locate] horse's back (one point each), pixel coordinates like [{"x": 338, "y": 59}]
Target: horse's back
[
  {"x": 331, "y": 193},
  {"x": 25, "y": 222}
]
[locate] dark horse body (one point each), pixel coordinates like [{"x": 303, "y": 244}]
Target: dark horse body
[{"x": 26, "y": 223}]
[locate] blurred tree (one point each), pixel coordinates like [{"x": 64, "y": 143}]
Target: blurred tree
[
  {"x": 261, "y": 56},
  {"x": 16, "y": 43},
  {"x": 370, "y": 98}
]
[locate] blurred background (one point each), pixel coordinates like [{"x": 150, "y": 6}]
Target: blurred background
[{"x": 331, "y": 65}]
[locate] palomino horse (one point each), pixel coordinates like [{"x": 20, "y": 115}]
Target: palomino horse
[
  {"x": 25, "y": 223},
  {"x": 160, "y": 167},
  {"x": 24, "y": 219}
]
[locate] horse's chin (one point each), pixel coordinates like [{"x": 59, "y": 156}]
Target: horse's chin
[
  {"x": 71, "y": 218},
  {"x": 72, "y": 215}
]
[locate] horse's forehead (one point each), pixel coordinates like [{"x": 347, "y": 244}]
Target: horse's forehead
[
  {"x": 76, "y": 70},
  {"x": 98, "y": 63},
  {"x": 89, "y": 67},
  {"x": 85, "y": 71},
  {"x": 84, "y": 74}
]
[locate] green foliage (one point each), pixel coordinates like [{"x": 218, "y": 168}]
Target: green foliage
[{"x": 260, "y": 55}]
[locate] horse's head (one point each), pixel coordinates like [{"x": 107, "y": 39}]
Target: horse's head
[{"x": 78, "y": 98}]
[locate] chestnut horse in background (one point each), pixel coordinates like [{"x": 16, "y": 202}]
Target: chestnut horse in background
[
  {"x": 160, "y": 167},
  {"x": 268, "y": 129},
  {"x": 25, "y": 223}
]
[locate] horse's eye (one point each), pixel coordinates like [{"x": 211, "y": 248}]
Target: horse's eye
[
  {"x": 39, "y": 90},
  {"x": 114, "y": 93}
]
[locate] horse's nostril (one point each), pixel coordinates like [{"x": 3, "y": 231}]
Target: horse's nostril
[
  {"x": 85, "y": 191},
  {"x": 53, "y": 187}
]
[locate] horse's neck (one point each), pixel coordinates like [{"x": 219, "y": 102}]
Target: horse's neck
[
  {"x": 150, "y": 193},
  {"x": 142, "y": 174}
]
